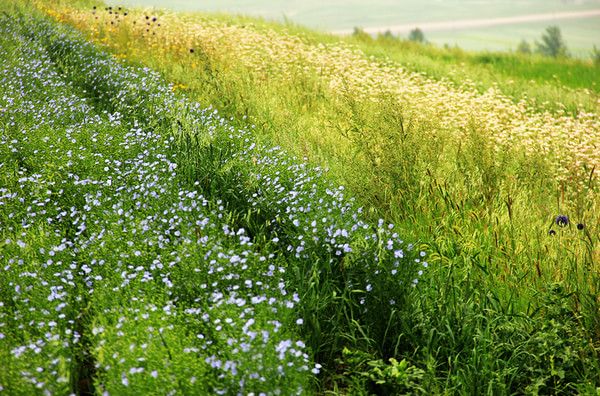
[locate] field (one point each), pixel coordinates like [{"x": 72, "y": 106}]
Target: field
[
  {"x": 580, "y": 34},
  {"x": 209, "y": 204}
]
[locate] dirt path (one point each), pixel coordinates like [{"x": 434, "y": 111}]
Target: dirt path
[{"x": 463, "y": 24}]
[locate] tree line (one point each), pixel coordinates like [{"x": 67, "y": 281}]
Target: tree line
[{"x": 551, "y": 44}]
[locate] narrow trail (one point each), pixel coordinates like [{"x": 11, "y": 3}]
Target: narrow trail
[{"x": 463, "y": 24}]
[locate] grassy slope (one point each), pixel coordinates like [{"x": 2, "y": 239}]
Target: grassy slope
[
  {"x": 580, "y": 35},
  {"x": 571, "y": 82},
  {"x": 486, "y": 223},
  {"x": 145, "y": 240}
]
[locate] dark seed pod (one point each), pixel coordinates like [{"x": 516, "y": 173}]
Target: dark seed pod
[
  {"x": 580, "y": 226},
  {"x": 562, "y": 220},
  {"x": 551, "y": 232}
]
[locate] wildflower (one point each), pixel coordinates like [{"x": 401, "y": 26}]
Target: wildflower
[
  {"x": 562, "y": 220},
  {"x": 316, "y": 369}
]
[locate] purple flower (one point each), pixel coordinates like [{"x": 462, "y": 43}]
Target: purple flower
[{"x": 562, "y": 220}]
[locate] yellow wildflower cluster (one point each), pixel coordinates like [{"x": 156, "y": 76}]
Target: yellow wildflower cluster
[
  {"x": 178, "y": 87},
  {"x": 569, "y": 144}
]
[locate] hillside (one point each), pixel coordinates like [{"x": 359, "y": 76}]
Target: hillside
[
  {"x": 162, "y": 234},
  {"x": 473, "y": 24}
]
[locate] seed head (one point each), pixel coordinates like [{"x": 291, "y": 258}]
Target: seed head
[{"x": 562, "y": 220}]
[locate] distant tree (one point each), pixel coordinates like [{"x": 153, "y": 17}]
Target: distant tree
[
  {"x": 361, "y": 34},
  {"x": 524, "y": 48},
  {"x": 596, "y": 56},
  {"x": 552, "y": 43},
  {"x": 388, "y": 34},
  {"x": 358, "y": 31},
  {"x": 416, "y": 35}
]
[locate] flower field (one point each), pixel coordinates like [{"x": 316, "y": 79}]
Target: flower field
[
  {"x": 568, "y": 143},
  {"x": 150, "y": 247},
  {"x": 156, "y": 239}
]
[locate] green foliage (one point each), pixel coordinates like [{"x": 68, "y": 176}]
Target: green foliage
[
  {"x": 543, "y": 80},
  {"x": 363, "y": 375},
  {"x": 416, "y": 35},
  {"x": 524, "y": 47},
  {"x": 360, "y": 34},
  {"x": 552, "y": 44},
  {"x": 388, "y": 35},
  {"x": 487, "y": 316},
  {"x": 180, "y": 230},
  {"x": 596, "y": 56}
]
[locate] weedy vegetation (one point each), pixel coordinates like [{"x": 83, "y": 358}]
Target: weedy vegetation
[{"x": 160, "y": 233}]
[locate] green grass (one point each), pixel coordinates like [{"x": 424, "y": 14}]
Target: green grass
[
  {"x": 580, "y": 34},
  {"x": 149, "y": 246},
  {"x": 548, "y": 84},
  {"x": 551, "y": 83},
  {"x": 502, "y": 306}
]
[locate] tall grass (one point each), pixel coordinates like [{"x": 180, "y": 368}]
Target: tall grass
[
  {"x": 551, "y": 84},
  {"x": 509, "y": 302},
  {"x": 150, "y": 246}
]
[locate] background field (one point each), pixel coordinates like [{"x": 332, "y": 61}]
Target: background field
[{"x": 580, "y": 34}]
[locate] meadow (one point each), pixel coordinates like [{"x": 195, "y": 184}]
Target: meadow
[
  {"x": 342, "y": 16},
  {"x": 182, "y": 229}
]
